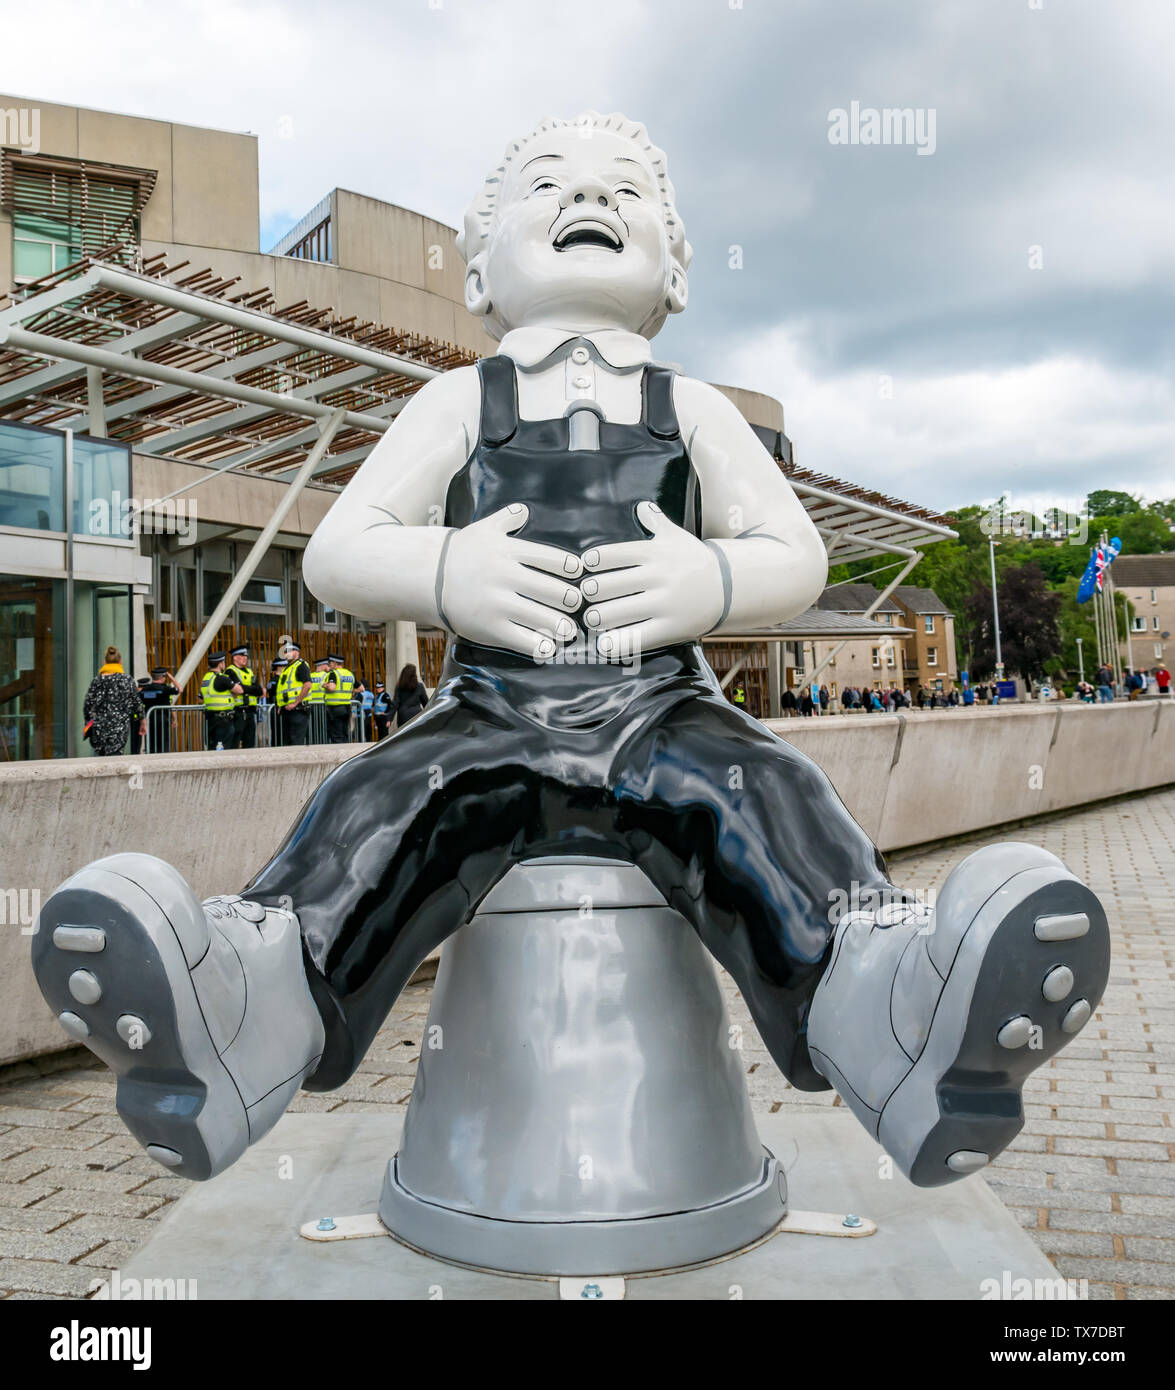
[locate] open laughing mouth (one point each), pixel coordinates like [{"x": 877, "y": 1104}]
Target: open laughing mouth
[{"x": 588, "y": 234}]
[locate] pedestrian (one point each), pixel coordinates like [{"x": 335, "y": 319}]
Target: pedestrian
[
  {"x": 921, "y": 698},
  {"x": 245, "y": 710},
  {"x": 1163, "y": 680},
  {"x": 380, "y": 709},
  {"x": 219, "y": 689},
  {"x": 293, "y": 690},
  {"x": 824, "y": 699},
  {"x": 806, "y": 702},
  {"x": 112, "y": 702},
  {"x": 1135, "y": 684},
  {"x": 139, "y": 729},
  {"x": 409, "y": 697},
  {"x": 1105, "y": 685},
  {"x": 157, "y": 695},
  {"x": 339, "y": 688},
  {"x": 788, "y": 701}
]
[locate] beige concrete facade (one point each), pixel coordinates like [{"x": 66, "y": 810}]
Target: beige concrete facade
[{"x": 929, "y": 659}]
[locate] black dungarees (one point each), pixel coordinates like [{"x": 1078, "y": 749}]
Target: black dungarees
[{"x": 645, "y": 761}]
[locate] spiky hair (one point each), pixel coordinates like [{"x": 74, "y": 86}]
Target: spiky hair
[{"x": 479, "y": 216}]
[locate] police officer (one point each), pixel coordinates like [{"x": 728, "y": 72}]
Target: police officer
[
  {"x": 158, "y": 693},
  {"x": 218, "y": 694},
  {"x": 293, "y": 690},
  {"x": 340, "y": 686},
  {"x": 245, "y": 713},
  {"x": 316, "y": 700}
]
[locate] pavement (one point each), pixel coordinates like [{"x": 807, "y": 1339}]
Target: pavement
[{"x": 1090, "y": 1177}]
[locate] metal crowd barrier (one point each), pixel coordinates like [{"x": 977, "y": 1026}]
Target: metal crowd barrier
[{"x": 184, "y": 729}]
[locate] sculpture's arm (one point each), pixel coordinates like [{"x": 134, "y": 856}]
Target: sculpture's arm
[
  {"x": 375, "y": 555},
  {"x": 773, "y": 561}
]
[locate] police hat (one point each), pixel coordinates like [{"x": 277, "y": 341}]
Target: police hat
[
  {"x": 158, "y": 671},
  {"x": 323, "y": 661},
  {"x": 143, "y": 680},
  {"x": 215, "y": 658},
  {"x": 292, "y": 647},
  {"x": 335, "y": 657},
  {"x": 239, "y": 651}
]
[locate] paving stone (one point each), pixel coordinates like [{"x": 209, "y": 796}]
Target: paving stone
[
  {"x": 40, "y": 1276},
  {"x": 24, "y": 1194},
  {"x": 104, "y": 1203},
  {"x": 1055, "y": 1242},
  {"x": 1117, "y": 1271},
  {"x": 33, "y": 1245},
  {"x": 113, "y": 1255},
  {"x": 1144, "y": 1248},
  {"x": 31, "y": 1219}
]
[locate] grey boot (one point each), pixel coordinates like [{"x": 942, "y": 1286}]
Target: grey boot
[
  {"x": 202, "y": 1011},
  {"x": 929, "y": 1026}
]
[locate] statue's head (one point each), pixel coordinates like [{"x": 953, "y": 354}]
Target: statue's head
[{"x": 576, "y": 228}]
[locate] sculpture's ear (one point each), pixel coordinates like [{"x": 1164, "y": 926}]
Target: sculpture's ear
[
  {"x": 477, "y": 294},
  {"x": 678, "y": 294}
]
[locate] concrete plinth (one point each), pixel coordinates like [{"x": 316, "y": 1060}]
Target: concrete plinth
[{"x": 238, "y": 1235}]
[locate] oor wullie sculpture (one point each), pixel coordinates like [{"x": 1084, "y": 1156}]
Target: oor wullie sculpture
[{"x": 578, "y": 518}]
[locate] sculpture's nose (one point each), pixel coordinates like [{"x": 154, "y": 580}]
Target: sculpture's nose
[{"x": 587, "y": 192}]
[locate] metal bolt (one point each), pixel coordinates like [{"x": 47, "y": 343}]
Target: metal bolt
[
  {"x": 327, "y": 1223},
  {"x": 592, "y": 1291},
  {"x": 851, "y": 1221}
]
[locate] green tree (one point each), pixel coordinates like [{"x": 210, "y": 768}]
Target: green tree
[
  {"x": 1030, "y": 634},
  {"x": 1106, "y": 502}
]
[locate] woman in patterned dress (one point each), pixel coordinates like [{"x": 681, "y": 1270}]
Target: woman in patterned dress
[{"x": 112, "y": 702}]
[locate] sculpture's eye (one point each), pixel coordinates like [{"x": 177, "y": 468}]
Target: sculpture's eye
[
  {"x": 545, "y": 186},
  {"x": 624, "y": 191}
]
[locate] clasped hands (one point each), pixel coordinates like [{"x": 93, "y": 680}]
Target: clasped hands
[{"x": 501, "y": 591}]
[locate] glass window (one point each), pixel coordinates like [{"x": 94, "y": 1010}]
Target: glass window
[
  {"x": 32, "y": 478},
  {"x": 932, "y": 656},
  {"x": 876, "y": 657},
  {"x": 216, "y": 584},
  {"x": 928, "y": 619},
  {"x": 1138, "y": 624},
  {"x": 309, "y": 607},
  {"x": 101, "y": 488},
  {"x": 268, "y": 591},
  {"x": 42, "y": 245},
  {"x": 330, "y": 617},
  {"x": 164, "y": 605}
]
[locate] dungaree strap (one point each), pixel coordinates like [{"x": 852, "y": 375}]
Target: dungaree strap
[
  {"x": 499, "y": 399},
  {"x": 659, "y": 415}
]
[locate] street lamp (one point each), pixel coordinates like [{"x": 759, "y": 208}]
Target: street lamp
[
  {"x": 1080, "y": 662},
  {"x": 995, "y": 604}
]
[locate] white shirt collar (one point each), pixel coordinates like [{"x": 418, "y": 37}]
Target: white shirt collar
[{"x": 619, "y": 348}]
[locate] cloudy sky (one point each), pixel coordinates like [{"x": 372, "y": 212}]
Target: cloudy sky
[{"x": 992, "y": 316}]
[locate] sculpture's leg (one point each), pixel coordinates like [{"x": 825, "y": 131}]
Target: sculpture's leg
[
  {"x": 202, "y": 1011},
  {"x": 393, "y": 853},
  {"x": 748, "y": 840},
  {"x": 929, "y": 1024}
]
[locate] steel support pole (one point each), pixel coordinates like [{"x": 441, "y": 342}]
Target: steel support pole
[
  {"x": 192, "y": 661},
  {"x": 95, "y": 403}
]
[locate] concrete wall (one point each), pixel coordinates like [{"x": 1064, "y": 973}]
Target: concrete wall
[{"x": 907, "y": 779}]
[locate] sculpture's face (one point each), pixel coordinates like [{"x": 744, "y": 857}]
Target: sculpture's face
[{"x": 579, "y": 240}]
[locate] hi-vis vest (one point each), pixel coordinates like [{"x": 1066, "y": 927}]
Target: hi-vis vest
[
  {"x": 288, "y": 687},
  {"x": 317, "y": 693},
  {"x": 344, "y": 684},
  {"x": 245, "y": 676},
  {"x": 216, "y": 701}
]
